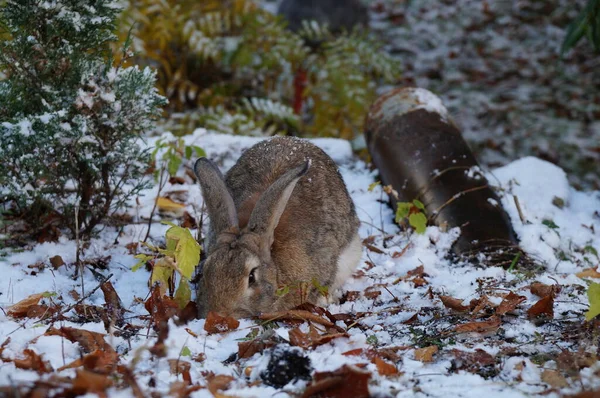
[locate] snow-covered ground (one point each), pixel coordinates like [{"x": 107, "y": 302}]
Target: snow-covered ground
[{"x": 396, "y": 311}]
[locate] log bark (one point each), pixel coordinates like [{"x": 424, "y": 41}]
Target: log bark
[{"x": 420, "y": 152}]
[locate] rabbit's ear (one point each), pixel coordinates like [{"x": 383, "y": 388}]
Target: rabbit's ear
[
  {"x": 270, "y": 206},
  {"x": 219, "y": 202}
]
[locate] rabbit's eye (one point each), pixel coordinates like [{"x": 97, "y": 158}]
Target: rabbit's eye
[{"x": 252, "y": 277}]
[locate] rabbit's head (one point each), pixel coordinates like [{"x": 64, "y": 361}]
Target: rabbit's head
[{"x": 239, "y": 277}]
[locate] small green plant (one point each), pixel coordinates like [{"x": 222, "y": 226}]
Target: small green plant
[
  {"x": 167, "y": 156},
  {"x": 414, "y": 213},
  {"x": 180, "y": 257},
  {"x": 372, "y": 339},
  {"x": 185, "y": 352}
]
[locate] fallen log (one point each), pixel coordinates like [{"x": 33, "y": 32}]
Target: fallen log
[{"x": 420, "y": 152}]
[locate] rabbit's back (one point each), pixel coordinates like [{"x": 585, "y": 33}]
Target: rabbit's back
[{"x": 319, "y": 220}]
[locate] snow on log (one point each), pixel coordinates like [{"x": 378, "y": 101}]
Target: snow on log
[{"x": 422, "y": 154}]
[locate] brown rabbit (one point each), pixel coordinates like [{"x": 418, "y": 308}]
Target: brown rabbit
[{"x": 281, "y": 218}]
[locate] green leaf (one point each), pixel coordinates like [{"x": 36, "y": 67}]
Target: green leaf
[
  {"x": 323, "y": 290},
  {"x": 373, "y": 185},
  {"x": 592, "y": 250},
  {"x": 372, "y": 339},
  {"x": 418, "y": 221},
  {"x": 418, "y": 204},
  {"x": 173, "y": 163},
  {"x": 586, "y": 23},
  {"x": 185, "y": 352},
  {"x": 199, "y": 151},
  {"x": 550, "y": 224},
  {"x": 188, "y": 152},
  {"x": 144, "y": 258},
  {"x": 183, "y": 294},
  {"x": 49, "y": 294},
  {"x": 593, "y": 294},
  {"x": 402, "y": 211}
]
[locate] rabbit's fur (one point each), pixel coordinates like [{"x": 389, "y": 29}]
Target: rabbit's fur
[{"x": 283, "y": 214}]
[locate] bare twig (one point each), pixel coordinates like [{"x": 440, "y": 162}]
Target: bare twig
[
  {"x": 70, "y": 307},
  {"x": 521, "y": 216},
  {"x": 161, "y": 184}
]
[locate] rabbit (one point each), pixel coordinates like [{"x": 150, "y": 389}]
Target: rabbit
[{"x": 281, "y": 217}]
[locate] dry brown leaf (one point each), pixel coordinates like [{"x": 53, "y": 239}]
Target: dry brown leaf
[
  {"x": 57, "y": 261},
  {"x": 425, "y": 354},
  {"x": 41, "y": 311},
  {"x": 3, "y": 346},
  {"x": 589, "y": 273},
  {"x": 132, "y": 247},
  {"x": 162, "y": 308},
  {"x": 472, "y": 362},
  {"x": 97, "y": 361},
  {"x": 572, "y": 362},
  {"x": 175, "y": 180},
  {"x": 372, "y": 293},
  {"x": 216, "y": 323},
  {"x": 298, "y": 338},
  {"x": 453, "y": 303},
  {"x": 247, "y": 349},
  {"x": 385, "y": 368},
  {"x": 89, "y": 341},
  {"x": 374, "y": 249},
  {"x": 347, "y": 381},
  {"x": 32, "y": 361},
  {"x": 20, "y": 309},
  {"x": 180, "y": 367},
  {"x": 90, "y": 382},
  {"x": 509, "y": 303},
  {"x": 491, "y": 325},
  {"x": 188, "y": 221},
  {"x": 543, "y": 308},
  {"x": 113, "y": 307},
  {"x": 418, "y": 281},
  {"x": 296, "y": 315},
  {"x": 351, "y": 295},
  {"x": 554, "y": 378},
  {"x": 217, "y": 383},
  {"x": 180, "y": 389},
  {"x": 402, "y": 252},
  {"x": 480, "y": 306},
  {"x": 542, "y": 290}
]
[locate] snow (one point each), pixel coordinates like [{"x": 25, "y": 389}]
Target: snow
[{"x": 533, "y": 181}]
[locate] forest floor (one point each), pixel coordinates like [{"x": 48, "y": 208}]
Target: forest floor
[
  {"x": 410, "y": 322},
  {"x": 498, "y": 69}
]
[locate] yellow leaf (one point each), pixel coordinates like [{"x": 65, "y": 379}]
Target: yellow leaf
[
  {"x": 373, "y": 185},
  {"x": 187, "y": 251},
  {"x": 166, "y": 204},
  {"x": 161, "y": 273},
  {"x": 594, "y": 298}
]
